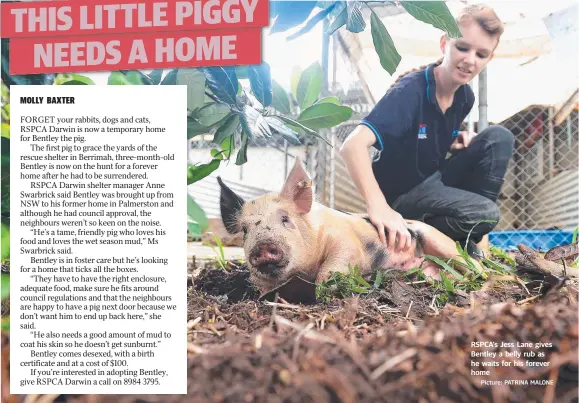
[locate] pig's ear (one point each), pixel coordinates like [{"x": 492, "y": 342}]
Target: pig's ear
[
  {"x": 298, "y": 188},
  {"x": 230, "y": 205}
]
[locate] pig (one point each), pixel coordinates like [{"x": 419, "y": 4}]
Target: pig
[{"x": 288, "y": 233}]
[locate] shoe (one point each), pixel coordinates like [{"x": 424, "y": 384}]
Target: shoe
[{"x": 474, "y": 251}]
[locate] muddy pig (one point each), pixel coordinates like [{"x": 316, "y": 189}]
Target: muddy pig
[{"x": 289, "y": 233}]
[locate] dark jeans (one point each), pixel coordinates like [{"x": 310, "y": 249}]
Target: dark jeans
[{"x": 464, "y": 192}]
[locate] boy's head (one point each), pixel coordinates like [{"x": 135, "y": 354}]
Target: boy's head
[{"x": 466, "y": 56}]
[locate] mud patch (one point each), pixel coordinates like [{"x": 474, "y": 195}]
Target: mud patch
[{"x": 233, "y": 284}]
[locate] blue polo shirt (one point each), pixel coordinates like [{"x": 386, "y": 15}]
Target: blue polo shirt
[{"x": 412, "y": 134}]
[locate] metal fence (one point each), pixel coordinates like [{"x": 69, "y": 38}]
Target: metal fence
[
  {"x": 269, "y": 160},
  {"x": 540, "y": 196},
  {"x": 539, "y": 201}
]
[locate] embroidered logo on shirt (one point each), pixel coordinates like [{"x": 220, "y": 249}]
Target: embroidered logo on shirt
[{"x": 422, "y": 131}]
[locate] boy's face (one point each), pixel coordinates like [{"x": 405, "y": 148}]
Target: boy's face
[{"x": 466, "y": 56}]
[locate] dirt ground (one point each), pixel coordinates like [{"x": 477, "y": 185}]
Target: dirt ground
[{"x": 392, "y": 344}]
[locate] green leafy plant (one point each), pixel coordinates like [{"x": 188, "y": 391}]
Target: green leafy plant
[
  {"x": 341, "y": 285},
  {"x": 220, "y": 106},
  {"x": 348, "y": 15},
  {"x": 220, "y": 252},
  {"x": 4, "y": 295},
  {"x": 5, "y": 172}
]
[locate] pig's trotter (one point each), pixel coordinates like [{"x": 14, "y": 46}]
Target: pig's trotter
[{"x": 334, "y": 264}]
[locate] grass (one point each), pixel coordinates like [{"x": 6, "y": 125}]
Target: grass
[
  {"x": 452, "y": 282},
  {"x": 219, "y": 257},
  {"x": 341, "y": 285},
  {"x": 220, "y": 252},
  {"x": 5, "y": 294}
]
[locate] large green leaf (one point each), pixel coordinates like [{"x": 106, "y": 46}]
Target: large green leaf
[
  {"x": 5, "y": 324},
  {"x": 129, "y": 78},
  {"x": 299, "y": 126},
  {"x": 194, "y": 128},
  {"x": 118, "y": 78},
  {"x": 241, "y": 72},
  {"x": 389, "y": 57},
  {"x": 155, "y": 76},
  {"x": 260, "y": 80},
  {"x": 196, "y": 213},
  {"x": 6, "y": 130},
  {"x": 295, "y": 79},
  {"x": 296, "y": 127},
  {"x": 73, "y": 79},
  {"x": 6, "y": 111},
  {"x": 195, "y": 82},
  {"x": 280, "y": 99},
  {"x": 315, "y": 20},
  {"x": 5, "y": 287},
  {"x": 5, "y": 240},
  {"x": 212, "y": 113},
  {"x": 242, "y": 153},
  {"x": 287, "y": 133},
  {"x": 338, "y": 18},
  {"x": 170, "y": 78},
  {"x": 222, "y": 81},
  {"x": 329, "y": 100},
  {"x": 74, "y": 82},
  {"x": 324, "y": 115},
  {"x": 228, "y": 146},
  {"x": 255, "y": 122},
  {"x": 289, "y": 14},
  {"x": 309, "y": 86},
  {"x": 355, "y": 22},
  {"x": 226, "y": 129},
  {"x": 435, "y": 13},
  {"x": 197, "y": 172},
  {"x": 137, "y": 77}
]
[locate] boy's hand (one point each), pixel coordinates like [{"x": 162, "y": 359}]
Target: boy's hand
[{"x": 462, "y": 140}]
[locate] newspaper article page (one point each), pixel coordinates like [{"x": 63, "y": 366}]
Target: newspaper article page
[
  {"x": 97, "y": 206},
  {"x": 289, "y": 201}
]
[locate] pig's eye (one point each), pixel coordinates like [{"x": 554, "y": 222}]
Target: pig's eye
[
  {"x": 244, "y": 230},
  {"x": 284, "y": 219}
]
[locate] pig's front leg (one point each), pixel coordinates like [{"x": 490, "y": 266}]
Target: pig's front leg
[{"x": 337, "y": 262}]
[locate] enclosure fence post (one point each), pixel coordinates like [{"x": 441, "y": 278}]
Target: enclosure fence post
[
  {"x": 482, "y": 101},
  {"x": 551, "y": 143},
  {"x": 285, "y": 152},
  {"x": 325, "y": 58},
  {"x": 332, "y": 166},
  {"x": 470, "y": 118}
]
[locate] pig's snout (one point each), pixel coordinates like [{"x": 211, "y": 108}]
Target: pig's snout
[{"x": 266, "y": 256}]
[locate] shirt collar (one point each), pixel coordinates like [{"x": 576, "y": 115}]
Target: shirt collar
[{"x": 459, "y": 96}]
